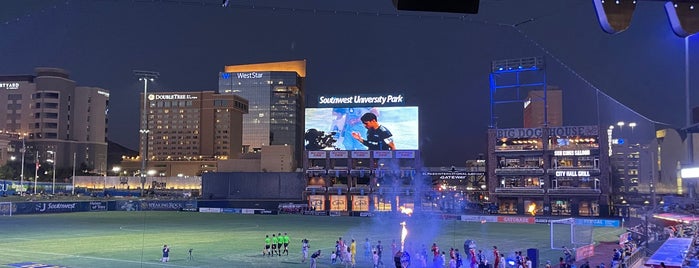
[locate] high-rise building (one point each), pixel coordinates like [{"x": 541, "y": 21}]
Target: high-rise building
[
  {"x": 52, "y": 115},
  {"x": 192, "y": 125},
  {"x": 534, "y": 108},
  {"x": 189, "y": 132},
  {"x": 275, "y": 91}
]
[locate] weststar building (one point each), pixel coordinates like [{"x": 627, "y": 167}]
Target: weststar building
[{"x": 549, "y": 171}]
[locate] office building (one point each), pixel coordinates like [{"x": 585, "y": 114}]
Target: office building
[
  {"x": 275, "y": 92},
  {"x": 56, "y": 119}
]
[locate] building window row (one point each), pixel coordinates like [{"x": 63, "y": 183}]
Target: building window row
[
  {"x": 170, "y": 103},
  {"x": 45, "y": 95}
]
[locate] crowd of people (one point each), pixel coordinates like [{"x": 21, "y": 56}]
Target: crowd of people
[{"x": 345, "y": 254}]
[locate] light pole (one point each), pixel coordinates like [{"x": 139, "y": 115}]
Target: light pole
[
  {"x": 21, "y": 173},
  {"x": 688, "y": 120},
  {"x": 73, "y": 178},
  {"x": 53, "y": 186},
  {"x": 632, "y": 125},
  {"x": 621, "y": 127},
  {"x": 36, "y": 172},
  {"x": 116, "y": 170},
  {"x": 144, "y": 76}
]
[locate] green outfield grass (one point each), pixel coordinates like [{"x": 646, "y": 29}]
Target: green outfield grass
[{"x": 135, "y": 239}]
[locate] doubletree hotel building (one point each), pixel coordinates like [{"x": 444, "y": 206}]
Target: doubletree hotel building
[
  {"x": 549, "y": 171},
  {"x": 189, "y": 132}
]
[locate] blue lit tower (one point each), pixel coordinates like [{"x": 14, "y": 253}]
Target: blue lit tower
[{"x": 510, "y": 81}]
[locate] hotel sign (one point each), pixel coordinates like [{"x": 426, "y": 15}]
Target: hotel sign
[
  {"x": 171, "y": 97},
  {"x": 553, "y": 131},
  {"x": 9, "y": 85}
]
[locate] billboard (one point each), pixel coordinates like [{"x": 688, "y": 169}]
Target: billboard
[{"x": 388, "y": 128}]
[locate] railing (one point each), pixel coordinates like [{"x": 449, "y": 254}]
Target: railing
[
  {"x": 635, "y": 257},
  {"x": 519, "y": 170},
  {"x": 573, "y": 190},
  {"x": 519, "y": 190},
  {"x": 574, "y": 146}
]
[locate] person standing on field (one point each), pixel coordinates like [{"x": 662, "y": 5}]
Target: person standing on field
[{"x": 166, "y": 254}]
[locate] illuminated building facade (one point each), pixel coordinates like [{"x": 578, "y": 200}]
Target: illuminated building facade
[
  {"x": 275, "y": 92},
  {"x": 557, "y": 171},
  {"x": 49, "y": 112},
  {"x": 192, "y": 126}
]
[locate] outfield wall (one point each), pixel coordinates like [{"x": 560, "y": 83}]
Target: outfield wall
[
  {"x": 114, "y": 205},
  {"x": 254, "y": 185},
  {"x": 542, "y": 220}
]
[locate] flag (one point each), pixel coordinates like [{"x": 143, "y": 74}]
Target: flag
[{"x": 37, "y": 165}]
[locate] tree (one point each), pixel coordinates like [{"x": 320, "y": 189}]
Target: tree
[{"x": 8, "y": 172}]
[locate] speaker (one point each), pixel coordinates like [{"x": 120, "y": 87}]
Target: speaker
[
  {"x": 533, "y": 254},
  {"x": 451, "y": 6},
  {"x": 695, "y": 115}
]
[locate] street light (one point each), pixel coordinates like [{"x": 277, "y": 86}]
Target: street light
[
  {"x": 53, "y": 161},
  {"x": 145, "y": 76}
]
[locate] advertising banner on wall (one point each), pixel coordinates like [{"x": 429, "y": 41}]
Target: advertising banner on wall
[
  {"x": 316, "y": 202},
  {"x": 386, "y": 128},
  {"x": 98, "y": 206},
  {"x": 360, "y": 203},
  {"x": 597, "y": 222},
  {"x": 159, "y": 205},
  {"x": 51, "y": 207},
  {"x": 338, "y": 203},
  {"x": 515, "y": 219}
]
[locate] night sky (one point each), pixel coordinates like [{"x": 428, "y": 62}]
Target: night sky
[{"x": 438, "y": 61}]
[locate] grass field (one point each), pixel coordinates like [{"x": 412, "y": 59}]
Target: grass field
[{"x": 135, "y": 239}]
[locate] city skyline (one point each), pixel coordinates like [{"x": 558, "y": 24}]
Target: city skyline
[{"x": 439, "y": 62}]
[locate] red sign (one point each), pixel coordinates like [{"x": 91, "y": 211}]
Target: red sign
[
  {"x": 584, "y": 252},
  {"x": 526, "y": 220}
]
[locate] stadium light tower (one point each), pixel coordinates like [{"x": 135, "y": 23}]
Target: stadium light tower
[{"x": 145, "y": 76}]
